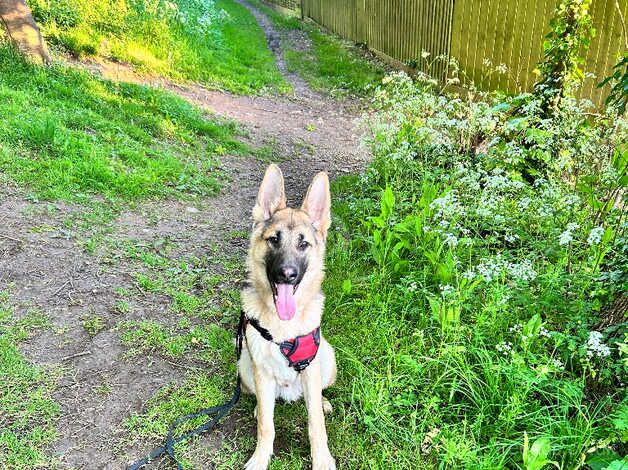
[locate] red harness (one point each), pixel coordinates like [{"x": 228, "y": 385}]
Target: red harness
[{"x": 299, "y": 351}]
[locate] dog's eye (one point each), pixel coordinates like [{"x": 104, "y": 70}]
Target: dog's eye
[
  {"x": 273, "y": 240},
  {"x": 303, "y": 245}
]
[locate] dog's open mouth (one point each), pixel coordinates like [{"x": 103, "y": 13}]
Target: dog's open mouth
[{"x": 283, "y": 295}]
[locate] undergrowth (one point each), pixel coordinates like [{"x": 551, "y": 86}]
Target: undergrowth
[{"x": 466, "y": 290}]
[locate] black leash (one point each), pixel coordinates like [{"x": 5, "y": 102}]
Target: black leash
[{"x": 215, "y": 413}]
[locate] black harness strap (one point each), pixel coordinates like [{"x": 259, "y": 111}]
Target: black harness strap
[
  {"x": 255, "y": 324},
  {"x": 215, "y": 413}
]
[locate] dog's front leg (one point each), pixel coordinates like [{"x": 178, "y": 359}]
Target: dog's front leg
[
  {"x": 265, "y": 394},
  {"x": 313, "y": 394}
]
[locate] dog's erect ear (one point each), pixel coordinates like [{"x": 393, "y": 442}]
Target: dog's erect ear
[
  {"x": 317, "y": 203},
  {"x": 271, "y": 196}
]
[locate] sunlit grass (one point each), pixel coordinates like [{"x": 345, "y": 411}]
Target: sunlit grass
[
  {"x": 217, "y": 43},
  {"x": 67, "y": 134}
]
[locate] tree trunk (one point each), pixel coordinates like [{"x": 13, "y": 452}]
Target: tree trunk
[{"x": 19, "y": 25}]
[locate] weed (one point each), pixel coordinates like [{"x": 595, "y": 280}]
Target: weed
[
  {"x": 122, "y": 307},
  {"x": 93, "y": 324}
]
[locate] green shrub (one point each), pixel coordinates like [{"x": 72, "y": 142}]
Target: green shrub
[{"x": 465, "y": 292}]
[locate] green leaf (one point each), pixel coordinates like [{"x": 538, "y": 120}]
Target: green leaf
[
  {"x": 618, "y": 464},
  {"x": 601, "y": 459},
  {"x": 388, "y": 202}
]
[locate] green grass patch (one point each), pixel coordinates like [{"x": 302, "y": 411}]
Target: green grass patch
[
  {"x": 202, "y": 342},
  {"x": 217, "y": 42},
  {"x": 27, "y": 410},
  {"x": 199, "y": 390},
  {"x": 69, "y": 135},
  {"x": 333, "y": 65}
]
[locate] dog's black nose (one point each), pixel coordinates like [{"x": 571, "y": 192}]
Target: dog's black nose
[{"x": 287, "y": 274}]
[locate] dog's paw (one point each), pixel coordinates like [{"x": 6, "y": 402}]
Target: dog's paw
[
  {"x": 323, "y": 461},
  {"x": 327, "y": 408},
  {"x": 259, "y": 461}
]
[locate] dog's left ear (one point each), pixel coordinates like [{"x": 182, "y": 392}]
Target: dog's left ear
[{"x": 317, "y": 203}]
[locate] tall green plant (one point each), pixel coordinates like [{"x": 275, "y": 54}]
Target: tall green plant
[{"x": 564, "y": 48}]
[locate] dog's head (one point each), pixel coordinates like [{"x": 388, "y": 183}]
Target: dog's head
[{"x": 288, "y": 245}]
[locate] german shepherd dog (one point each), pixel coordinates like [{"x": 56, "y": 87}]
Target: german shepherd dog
[{"x": 284, "y": 303}]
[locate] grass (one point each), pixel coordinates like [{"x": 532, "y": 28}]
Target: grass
[
  {"x": 447, "y": 359},
  {"x": 69, "y": 135},
  {"x": 331, "y": 64},
  {"x": 218, "y": 43},
  {"x": 27, "y": 421}
]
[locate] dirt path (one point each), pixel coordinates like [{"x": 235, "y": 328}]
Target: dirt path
[{"x": 44, "y": 266}]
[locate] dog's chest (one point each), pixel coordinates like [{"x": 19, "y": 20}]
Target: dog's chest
[
  {"x": 267, "y": 356},
  {"x": 283, "y": 373}
]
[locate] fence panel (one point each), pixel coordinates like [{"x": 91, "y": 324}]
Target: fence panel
[
  {"x": 506, "y": 32},
  {"x": 509, "y": 32},
  {"x": 609, "y": 43},
  {"x": 339, "y": 16}
]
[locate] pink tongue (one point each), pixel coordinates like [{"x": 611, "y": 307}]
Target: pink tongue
[{"x": 285, "y": 304}]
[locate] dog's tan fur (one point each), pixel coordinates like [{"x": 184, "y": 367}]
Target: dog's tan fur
[{"x": 264, "y": 371}]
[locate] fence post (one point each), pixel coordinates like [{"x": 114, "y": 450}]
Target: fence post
[{"x": 302, "y": 9}]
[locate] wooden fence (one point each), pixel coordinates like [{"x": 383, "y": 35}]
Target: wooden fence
[{"x": 475, "y": 32}]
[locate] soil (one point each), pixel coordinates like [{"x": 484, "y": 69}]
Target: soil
[{"x": 44, "y": 266}]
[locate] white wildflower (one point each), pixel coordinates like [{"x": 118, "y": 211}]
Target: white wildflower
[
  {"x": 595, "y": 236},
  {"x": 567, "y": 236},
  {"x": 451, "y": 240},
  {"x": 522, "y": 271},
  {"x": 501, "y": 69},
  {"x": 490, "y": 269},
  {"x": 516, "y": 328},
  {"x": 571, "y": 201},
  {"x": 595, "y": 346},
  {"x": 524, "y": 203},
  {"x": 446, "y": 290},
  {"x": 558, "y": 364},
  {"x": 469, "y": 274},
  {"x": 425, "y": 54},
  {"x": 505, "y": 347}
]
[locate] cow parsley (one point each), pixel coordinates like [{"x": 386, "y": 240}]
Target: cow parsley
[{"x": 595, "y": 346}]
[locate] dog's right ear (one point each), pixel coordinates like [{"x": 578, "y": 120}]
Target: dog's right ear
[{"x": 271, "y": 196}]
